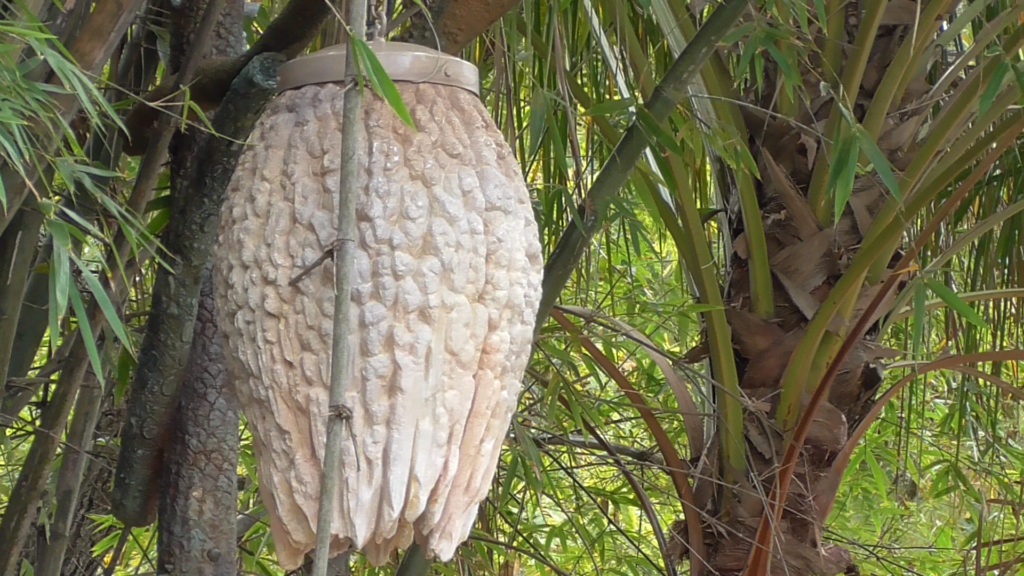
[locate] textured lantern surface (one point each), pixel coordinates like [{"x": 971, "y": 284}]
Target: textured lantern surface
[{"x": 446, "y": 286}]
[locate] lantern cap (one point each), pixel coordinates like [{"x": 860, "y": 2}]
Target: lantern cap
[{"x": 403, "y": 62}]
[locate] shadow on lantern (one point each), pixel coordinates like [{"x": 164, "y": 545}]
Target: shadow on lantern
[{"x": 447, "y": 281}]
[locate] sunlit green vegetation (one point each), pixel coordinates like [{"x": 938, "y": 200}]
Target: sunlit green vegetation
[{"x": 625, "y": 375}]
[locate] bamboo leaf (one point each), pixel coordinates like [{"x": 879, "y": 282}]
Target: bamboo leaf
[
  {"x": 381, "y": 83},
  {"x": 531, "y": 461},
  {"x": 750, "y": 49},
  {"x": 53, "y": 316},
  {"x": 917, "y": 328},
  {"x": 103, "y": 299},
  {"x": 611, "y": 107},
  {"x": 87, "y": 336},
  {"x": 788, "y": 67},
  {"x": 739, "y": 33},
  {"x": 82, "y": 222},
  {"x": 994, "y": 86},
  {"x": 537, "y": 125},
  {"x": 60, "y": 273},
  {"x": 1018, "y": 75},
  {"x": 844, "y": 169},
  {"x": 126, "y": 365},
  {"x": 657, "y": 133},
  {"x": 879, "y": 161},
  {"x": 880, "y": 478},
  {"x": 956, "y": 303},
  {"x": 60, "y": 277}
]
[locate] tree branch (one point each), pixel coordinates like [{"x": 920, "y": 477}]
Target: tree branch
[
  {"x": 457, "y": 22},
  {"x": 166, "y": 346},
  {"x": 288, "y": 34}
]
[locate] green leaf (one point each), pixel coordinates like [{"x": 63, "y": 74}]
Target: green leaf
[
  {"x": 738, "y": 33},
  {"x": 125, "y": 369},
  {"x": 788, "y": 67},
  {"x": 844, "y": 168},
  {"x": 109, "y": 312},
  {"x": 379, "y": 79},
  {"x": 965, "y": 483},
  {"x": 162, "y": 202},
  {"x": 107, "y": 543},
  {"x": 917, "y": 328},
  {"x": 53, "y": 316},
  {"x": 538, "y": 117},
  {"x": 83, "y": 223},
  {"x": 880, "y": 478},
  {"x": 750, "y": 49},
  {"x": 657, "y": 133},
  {"x": 533, "y": 463},
  {"x": 956, "y": 303},
  {"x": 87, "y": 335},
  {"x": 60, "y": 277},
  {"x": 611, "y": 107},
  {"x": 1018, "y": 75},
  {"x": 878, "y": 161},
  {"x": 994, "y": 86}
]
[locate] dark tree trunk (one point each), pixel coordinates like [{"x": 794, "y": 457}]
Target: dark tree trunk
[
  {"x": 199, "y": 501},
  {"x": 17, "y": 250},
  {"x": 165, "y": 350}
]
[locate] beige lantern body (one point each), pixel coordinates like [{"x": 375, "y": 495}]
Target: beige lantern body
[{"x": 446, "y": 288}]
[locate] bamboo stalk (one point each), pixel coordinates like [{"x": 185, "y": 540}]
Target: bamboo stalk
[
  {"x": 615, "y": 173},
  {"x": 353, "y": 144}
]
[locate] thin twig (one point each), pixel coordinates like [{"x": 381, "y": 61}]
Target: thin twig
[{"x": 327, "y": 255}]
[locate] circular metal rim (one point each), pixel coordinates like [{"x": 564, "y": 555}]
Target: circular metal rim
[{"x": 403, "y": 62}]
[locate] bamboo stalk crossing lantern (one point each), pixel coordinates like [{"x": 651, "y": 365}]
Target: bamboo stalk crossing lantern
[{"x": 446, "y": 288}]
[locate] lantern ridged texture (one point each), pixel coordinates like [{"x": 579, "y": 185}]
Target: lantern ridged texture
[{"x": 447, "y": 280}]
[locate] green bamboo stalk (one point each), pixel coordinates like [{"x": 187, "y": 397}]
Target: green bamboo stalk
[
  {"x": 879, "y": 243},
  {"x": 954, "y": 115},
  {"x": 853, "y": 72},
  {"x": 695, "y": 250},
  {"x": 701, "y": 265},
  {"x": 614, "y": 174},
  {"x": 902, "y": 68},
  {"x": 353, "y": 152},
  {"x": 718, "y": 84},
  {"x": 834, "y": 35}
]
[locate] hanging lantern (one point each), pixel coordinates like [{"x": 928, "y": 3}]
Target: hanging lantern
[{"x": 446, "y": 286}]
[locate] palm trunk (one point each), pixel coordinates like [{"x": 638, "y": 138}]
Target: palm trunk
[{"x": 810, "y": 250}]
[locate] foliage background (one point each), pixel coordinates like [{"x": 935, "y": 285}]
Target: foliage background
[{"x": 935, "y": 488}]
